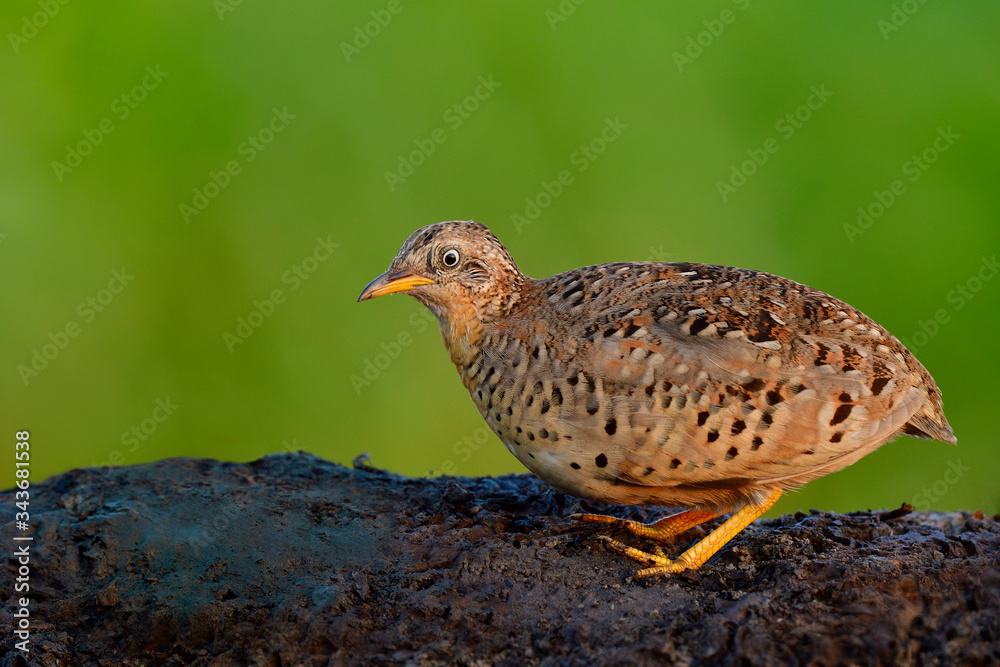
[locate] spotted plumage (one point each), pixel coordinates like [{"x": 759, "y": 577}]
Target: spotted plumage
[{"x": 668, "y": 384}]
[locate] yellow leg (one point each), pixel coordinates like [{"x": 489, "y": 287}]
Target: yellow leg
[
  {"x": 661, "y": 530},
  {"x": 696, "y": 556}
]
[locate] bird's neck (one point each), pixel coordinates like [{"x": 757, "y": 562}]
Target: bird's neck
[
  {"x": 462, "y": 331},
  {"x": 465, "y": 326}
]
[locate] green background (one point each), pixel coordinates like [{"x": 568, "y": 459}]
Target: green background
[{"x": 652, "y": 193}]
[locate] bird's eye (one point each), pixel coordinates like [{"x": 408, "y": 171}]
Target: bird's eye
[{"x": 450, "y": 258}]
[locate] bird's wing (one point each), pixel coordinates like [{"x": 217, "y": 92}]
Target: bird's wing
[{"x": 719, "y": 387}]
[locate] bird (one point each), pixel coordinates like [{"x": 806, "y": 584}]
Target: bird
[{"x": 710, "y": 388}]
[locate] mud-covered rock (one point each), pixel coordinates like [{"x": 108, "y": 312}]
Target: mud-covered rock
[{"x": 293, "y": 560}]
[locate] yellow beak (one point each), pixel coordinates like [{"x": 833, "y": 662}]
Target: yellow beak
[{"x": 392, "y": 281}]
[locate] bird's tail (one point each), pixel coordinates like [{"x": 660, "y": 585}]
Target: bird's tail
[{"x": 930, "y": 422}]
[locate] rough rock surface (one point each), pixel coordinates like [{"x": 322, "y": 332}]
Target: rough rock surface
[{"x": 293, "y": 560}]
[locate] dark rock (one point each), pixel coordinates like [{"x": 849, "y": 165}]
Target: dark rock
[{"x": 293, "y": 560}]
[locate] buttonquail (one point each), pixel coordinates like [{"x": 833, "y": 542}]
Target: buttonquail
[{"x": 645, "y": 383}]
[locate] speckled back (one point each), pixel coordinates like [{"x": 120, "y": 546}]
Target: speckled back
[{"x": 691, "y": 384}]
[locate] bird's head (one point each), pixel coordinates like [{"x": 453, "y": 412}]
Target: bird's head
[{"x": 458, "y": 269}]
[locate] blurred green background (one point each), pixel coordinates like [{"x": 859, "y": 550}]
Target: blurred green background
[{"x": 276, "y": 125}]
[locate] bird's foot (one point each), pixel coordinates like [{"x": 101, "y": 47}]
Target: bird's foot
[
  {"x": 696, "y": 556},
  {"x": 661, "y": 530},
  {"x": 658, "y": 562}
]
